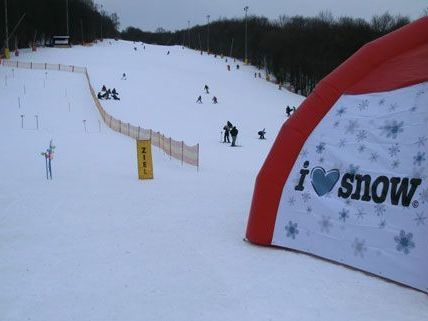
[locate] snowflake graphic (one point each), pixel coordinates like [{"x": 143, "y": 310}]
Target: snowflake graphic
[
  {"x": 363, "y": 105},
  {"x": 361, "y": 148},
  {"x": 421, "y": 141},
  {"x": 392, "y": 128},
  {"x": 309, "y": 209},
  {"x": 304, "y": 153},
  {"x": 394, "y": 150},
  {"x": 340, "y": 111},
  {"x": 404, "y": 242},
  {"x": 353, "y": 169},
  {"x": 342, "y": 143},
  {"x": 420, "y": 218},
  {"x": 393, "y": 107},
  {"x": 325, "y": 224},
  {"x": 381, "y": 102},
  {"x": 424, "y": 195},
  {"x": 292, "y": 230},
  {"x": 361, "y": 135},
  {"x": 306, "y": 197},
  {"x": 343, "y": 215},
  {"x": 419, "y": 159},
  {"x": 395, "y": 163},
  {"x": 374, "y": 157},
  {"x": 351, "y": 127},
  {"x": 291, "y": 201},
  {"x": 360, "y": 213},
  {"x": 359, "y": 247},
  {"x": 380, "y": 209},
  {"x": 382, "y": 224},
  {"x": 320, "y": 148}
]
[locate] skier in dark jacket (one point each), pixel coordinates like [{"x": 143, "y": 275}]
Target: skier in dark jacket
[
  {"x": 262, "y": 134},
  {"x": 215, "y": 101},
  {"x": 226, "y": 134},
  {"x": 199, "y": 100},
  {"x": 234, "y": 134},
  {"x": 288, "y": 111},
  {"x": 206, "y": 89}
]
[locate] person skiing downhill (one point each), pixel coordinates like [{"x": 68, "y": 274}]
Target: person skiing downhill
[
  {"x": 199, "y": 100},
  {"x": 206, "y": 89},
  {"x": 215, "y": 101}
]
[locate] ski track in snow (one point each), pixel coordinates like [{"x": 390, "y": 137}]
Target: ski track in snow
[{"x": 96, "y": 244}]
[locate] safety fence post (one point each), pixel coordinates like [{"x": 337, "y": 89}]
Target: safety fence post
[{"x": 182, "y": 152}]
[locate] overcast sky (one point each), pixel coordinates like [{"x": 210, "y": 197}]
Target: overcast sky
[{"x": 172, "y": 15}]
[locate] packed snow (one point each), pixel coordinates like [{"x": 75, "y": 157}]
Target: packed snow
[{"x": 97, "y": 244}]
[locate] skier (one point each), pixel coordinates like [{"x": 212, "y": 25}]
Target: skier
[
  {"x": 123, "y": 76},
  {"x": 199, "y": 100},
  {"x": 228, "y": 67},
  {"x": 226, "y": 134},
  {"x": 215, "y": 100},
  {"x": 288, "y": 111},
  {"x": 237, "y": 66},
  {"x": 115, "y": 94},
  {"x": 206, "y": 89},
  {"x": 107, "y": 94},
  {"x": 262, "y": 134},
  {"x": 255, "y": 75},
  {"x": 234, "y": 133},
  {"x": 167, "y": 53},
  {"x": 104, "y": 88}
]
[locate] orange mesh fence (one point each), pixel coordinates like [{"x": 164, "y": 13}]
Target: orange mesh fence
[{"x": 175, "y": 149}]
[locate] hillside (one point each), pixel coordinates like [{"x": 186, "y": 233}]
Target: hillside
[{"x": 97, "y": 244}]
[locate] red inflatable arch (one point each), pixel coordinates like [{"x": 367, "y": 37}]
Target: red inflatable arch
[{"x": 395, "y": 61}]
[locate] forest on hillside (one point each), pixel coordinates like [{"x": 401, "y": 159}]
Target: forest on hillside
[
  {"x": 39, "y": 20},
  {"x": 296, "y": 50}
]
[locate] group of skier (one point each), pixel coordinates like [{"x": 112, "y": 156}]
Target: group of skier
[
  {"x": 230, "y": 130},
  {"x": 108, "y": 94},
  {"x": 207, "y": 91}
]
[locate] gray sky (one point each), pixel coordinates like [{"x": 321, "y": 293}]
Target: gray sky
[{"x": 171, "y": 15}]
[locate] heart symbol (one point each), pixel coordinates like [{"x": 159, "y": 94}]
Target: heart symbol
[{"x": 322, "y": 181}]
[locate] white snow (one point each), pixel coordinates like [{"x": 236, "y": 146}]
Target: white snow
[{"x": 96, "y": 244}]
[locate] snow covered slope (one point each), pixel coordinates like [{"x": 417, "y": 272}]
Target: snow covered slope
[{"x": 97, "y": 244}]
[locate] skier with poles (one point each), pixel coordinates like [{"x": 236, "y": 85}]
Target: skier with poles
[{"x": 49, "y": 154}]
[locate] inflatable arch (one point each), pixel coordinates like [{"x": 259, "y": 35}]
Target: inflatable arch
[{"x": 347, "y": 176}]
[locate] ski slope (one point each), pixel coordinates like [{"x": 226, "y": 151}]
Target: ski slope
[{"x": 96, "y": 244}]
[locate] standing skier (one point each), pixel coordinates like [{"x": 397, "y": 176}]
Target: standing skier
[
  {"x": 206, "y": 89},
  {"x": 226, "y": 134},
  {"x": 234, "y": 133},
  {"x": 215, "y": 100}
]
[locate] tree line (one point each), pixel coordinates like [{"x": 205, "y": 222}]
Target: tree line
[
  {"x": 296, "y": 50},
  {"x": 40, "y": 20}
]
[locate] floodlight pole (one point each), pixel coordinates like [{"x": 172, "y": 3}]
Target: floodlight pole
[
  {"x": 6, "y": 38},
  {"x": 188, "y": 32},
  {"x": 66, "y": 15},
  {"x": 246, "y": 56},
  {"x": 208, "y": 34}
]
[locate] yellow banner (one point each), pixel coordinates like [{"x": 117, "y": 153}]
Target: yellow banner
[{"x": 144, "y": 157}]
